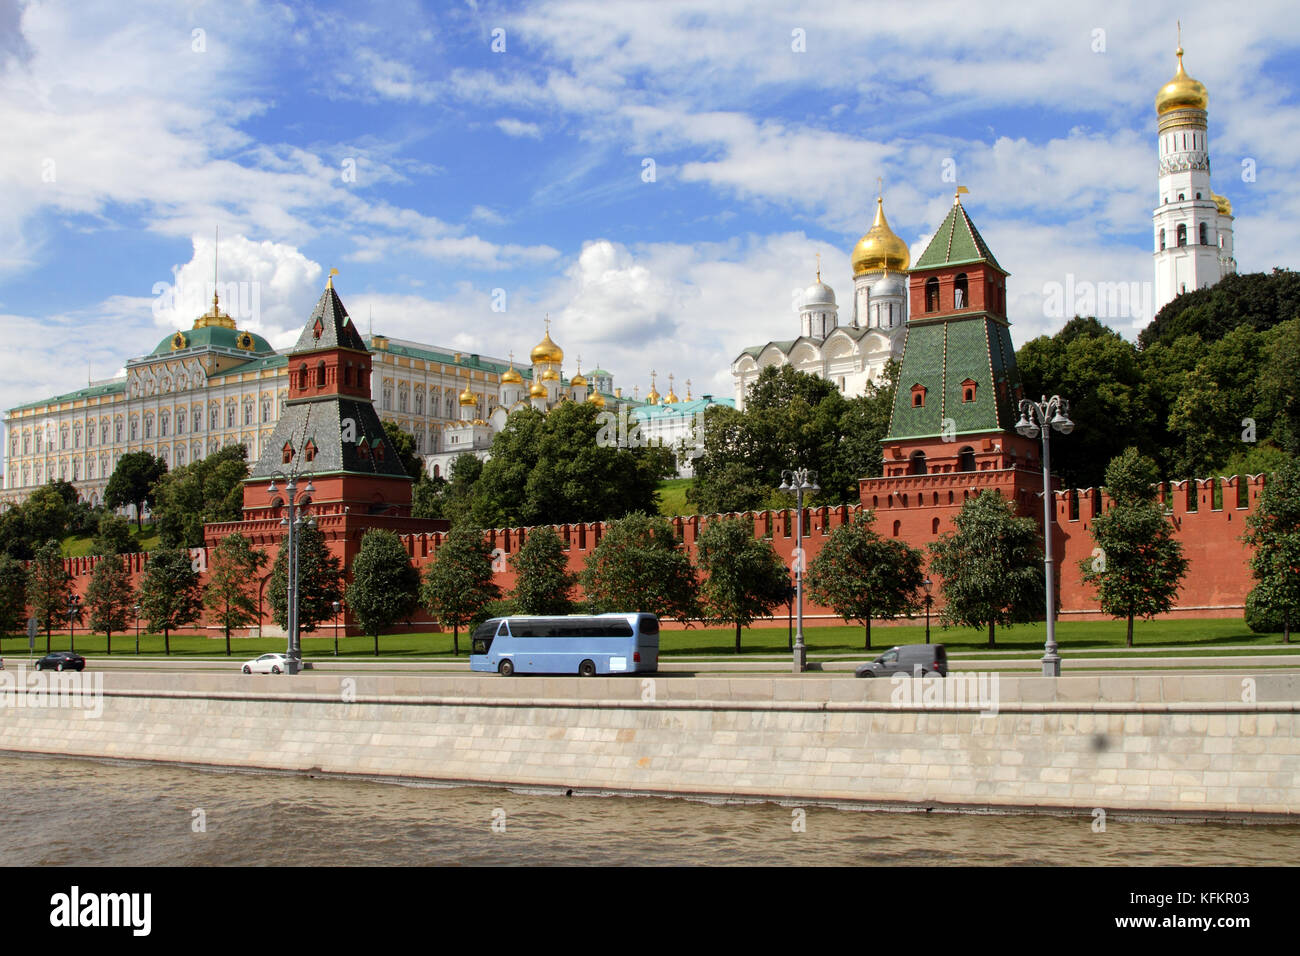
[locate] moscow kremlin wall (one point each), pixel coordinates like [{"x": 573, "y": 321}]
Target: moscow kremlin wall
[{"x": 951, "y": 436}]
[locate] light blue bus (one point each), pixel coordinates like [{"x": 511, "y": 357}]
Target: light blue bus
[{"x": 575, "y": 644}]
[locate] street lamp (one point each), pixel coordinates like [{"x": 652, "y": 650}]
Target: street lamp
[
  {"x": 799, "y": 480},
  {"x": 137, "y": 629},
  {"x": 72, "y": 621},
  {"x": 337, "y": 605},
  {"x": 928, "y": 601},
  {"x": 1040, "y": 418},
  {"x": 295, "y": 522}
]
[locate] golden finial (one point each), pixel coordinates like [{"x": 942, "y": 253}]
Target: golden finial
[
  {"x": 956, "y": 199},
  {"x": 819, "y": 267},
  {"x": 329, "y": 282},
  {"x": 880, "y": 188}
]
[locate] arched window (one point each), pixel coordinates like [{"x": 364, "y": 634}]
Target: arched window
[
  {"x": 966, "y": 459},
  {"x": 934, "y": 526},
  {"x": 248, "y": 413},
  {"x": 917, "y": 463},
  {"x": 302, "y": 375},
  {"x": 266, "y": 410},
  {"x": 1205, "y": 239},
  {"x": 918, "y": 396},
  {"x": 402, "y": 397},
  {"x": 135, "y": 428},
  {"x": 898, "y": 526},
  {"x": 960, "y": 292},
  {"x": 230, "y": 415},
  {"x": 968, "y": 391},
  {"x": 320, "y": 374},
  {"x": 932, "y": 294},
  {"x": 1162, "y": 240},
  {"x": 1182, "y": 233}
]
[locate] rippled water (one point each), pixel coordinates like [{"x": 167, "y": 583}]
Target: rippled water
[{"x": 60, "y": 811}]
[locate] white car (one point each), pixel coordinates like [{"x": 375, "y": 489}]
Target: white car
[{"x": 267, "y": 664}]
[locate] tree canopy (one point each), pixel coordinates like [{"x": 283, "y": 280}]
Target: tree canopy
[
  {"x": 208, "y": 490},
  {"x": 170, "y": 594},
  {"x": 745, "y": 578},
  {"x": 133, "y": 480},
  {"x": 233, "y": 578},
  {"x": 1273, "y": 533},
  {"x": 459, "y": 583},
  {"x": 385, "y": 585},
  {"x": 320, "y": 581},
  {"x": 404, "y": 443},
  {"x": 543, "y": 583},
  {"x": 639, "y": 565},
  {"x": 110, "y": 597}
]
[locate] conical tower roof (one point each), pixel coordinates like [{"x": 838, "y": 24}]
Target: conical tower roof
[
  {"x": 957, "y": 242},
  {"x": 329, "y": 326}
]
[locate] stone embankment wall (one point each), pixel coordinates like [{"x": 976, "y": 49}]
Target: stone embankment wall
[{"x": 1201, "y": 745}]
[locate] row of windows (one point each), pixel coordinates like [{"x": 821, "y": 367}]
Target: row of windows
[
  {"x": 961, "y": 294},
  {"x": 102, "y": 467},
  {"x": 1180, "y": 236},
  {"x": 968, "y": 389}
]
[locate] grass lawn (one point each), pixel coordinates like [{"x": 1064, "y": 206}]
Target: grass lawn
[
  {"x": 672, "y": 497},
  {"x": 79, "y": 546},
  {"x": 1202, "y": 636}
]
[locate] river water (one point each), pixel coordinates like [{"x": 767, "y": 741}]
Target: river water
[{"x": 61, "y": 811}]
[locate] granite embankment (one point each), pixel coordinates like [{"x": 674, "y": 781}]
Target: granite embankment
[{"x": 1190, "y": 744}]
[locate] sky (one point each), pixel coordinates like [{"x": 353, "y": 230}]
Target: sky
[{"x": 658, "y": 177}]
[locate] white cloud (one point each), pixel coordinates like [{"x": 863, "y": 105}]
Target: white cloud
[{"x": 518, "y": 128}]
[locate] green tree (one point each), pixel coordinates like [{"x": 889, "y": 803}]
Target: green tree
[
  {"x": 13, "y": 595},
  {"x": 860, "y": 575},
  {"x": 449, "y": 499},
  {"x": 404, "y": 444},
  {"x": 48, "y": 587},
  {"x": 639, "y": 565},
  {"x": 1273, "y": 534},
  {"x": 170, "y": 594},
  {"x": 1278, "y": 397},
  {"x": 320, "y": 581},
  {"x": 745, "y": 577},
  {"x": 110, "y": 597},
  {"x": 543, "y": 583},
  {"x": 991, "y": 566},
  {"x": 113, "y": 537},
  {"x": 132, "y": 482},
  {"x": 1139, "y": 566},
  {"x": 458, "y": 584},
  {"x": 385, "y": 585},
  {"x": 231, "y": 591},
  {"x": 16, "y": 539},
  {"x": 208, "y": 490},
  {"x": 46, "y": 511}
]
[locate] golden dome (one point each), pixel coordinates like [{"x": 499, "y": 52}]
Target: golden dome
[
  {"x": 880, "y": 250},
  {"x": 652, "y": 397},
  {"x": 538, "y": 390},
  {"x": 550, "y": 375},
  {"x": 1224, "y": 204},
  {"x": 596, "y": 399},
  {"x": 467, "y": 398},
  {"x": 547, "y": 351},
  {"x": 578, "y": 381},
  {"x": 671, "y": 398},
  {"x": 511, "y": 377},
  {"x": 1182, "y": 92}
]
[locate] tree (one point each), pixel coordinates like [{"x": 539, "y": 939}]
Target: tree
[
  {"x": 48, "y": 587},
  {"x": 991, "y": 566},
  {"x": 231, "y": 592},
  {"x": 110, "y": 597},
  {"x": 543, "y": 583},
  {"x": 639, "y": 565},
  {"x": 170, "y": 595},
  {"x": 113, "y": 537},
  {"x": 320, "y": 581},
  {"x": 746, "y": 578},
  {"x": 458, "y": 584},
  {"x": 567, "y": 465},
  {"x": 1273, "y": 534},
  {"x": 208, "y": 490},
  {"x": 385, "y": 585},
  {"x": 404, "y": 444},
  {"x": 46, "y": 511},
  {"x": 132, "y": 482},
  {"x": 1139, "y": 565},
  {"x": 450, "y": 499},
  {"x": 860, "y": 575},
  {"x": 13, "y": 594}
]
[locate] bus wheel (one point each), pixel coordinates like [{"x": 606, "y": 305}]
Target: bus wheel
[
  {"x": 587, "y": 669},
  {"x": 506, "y": 668}
]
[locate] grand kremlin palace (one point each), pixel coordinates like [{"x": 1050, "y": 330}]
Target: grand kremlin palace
[{"x": 214, "y": 385}]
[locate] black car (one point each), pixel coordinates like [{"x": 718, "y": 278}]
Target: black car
[
  {"x": 912, "y": 659},
  {"x": 62, "y": 661}
]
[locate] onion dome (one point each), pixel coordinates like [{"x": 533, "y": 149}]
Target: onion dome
[
  {"x": 1182, "y": 92},
  {"x": 880, "y": 250},
  {"x": 819, "y": 293},
  {"x": 652, "y": 397},
  {"x": 538, "y": 390},
  {"x": 671, "y": 398},
  {"x": 467, "y": 398},
  {"x": 547, "y": 351},
  {"x": 550, "y": 375},
  {"x": 1225, "y": 206},
  {"x": 511, "y": 377},
  {"x": 578, "y": 381},
  {"x": 595, "y": 398}
]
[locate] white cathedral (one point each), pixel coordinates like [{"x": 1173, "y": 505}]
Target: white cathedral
[{"x": 854, "y": 355}]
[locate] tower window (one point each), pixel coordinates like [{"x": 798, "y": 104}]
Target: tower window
[
  {"x": 918, "y": 396},
  {"x": 960, "y": 292},
  {"x": 932, "y": 294},
  {"x": 1205, "y": 240},
  {"x": 1198, "y": 195},
  {"x": 1182, "y": 232},
  {"x": 917, "y": 460},
  {"x": 1162, "y": 240},
  {"x": 1181, "y": 197},
  {"x": 966, "y": 459},
  {"x": 968, "y": 390}
]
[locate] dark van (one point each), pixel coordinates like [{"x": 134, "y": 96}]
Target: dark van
[{"x": 905, "y": 659}]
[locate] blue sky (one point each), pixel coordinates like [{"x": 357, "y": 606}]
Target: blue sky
[{"x": 130, "y": 137}]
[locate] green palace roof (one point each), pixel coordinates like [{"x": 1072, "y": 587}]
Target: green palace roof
[
  {"x": 114, "y": 387},
  {"x": 214, "y": 336},
  {"x": 957, "y": 242}
]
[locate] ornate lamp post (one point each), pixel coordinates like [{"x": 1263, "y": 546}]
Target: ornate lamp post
[
  {"x": 72, "y": 621},
  {"x": 928, "y": 601},
  {"x": 799, "y": 480},
  {"x": 295, "y": 522},
  {"x": 337, "y": 605},
  {"x": 1040, "y": 418},
  {"x": 137, "y": 629}
]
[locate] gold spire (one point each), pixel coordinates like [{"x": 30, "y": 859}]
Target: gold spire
[
  {"x": 880, "y": 250},
  {"x": 1182, "y": 92},
  {"x": 216, "y": 317},
  {"x": 671, "y": 398},
  {"x": 652, "y": 396},
  {"x": 329, "y": 282}
]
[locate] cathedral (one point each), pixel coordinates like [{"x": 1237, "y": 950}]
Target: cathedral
[{"x": 853, "y": 355}]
